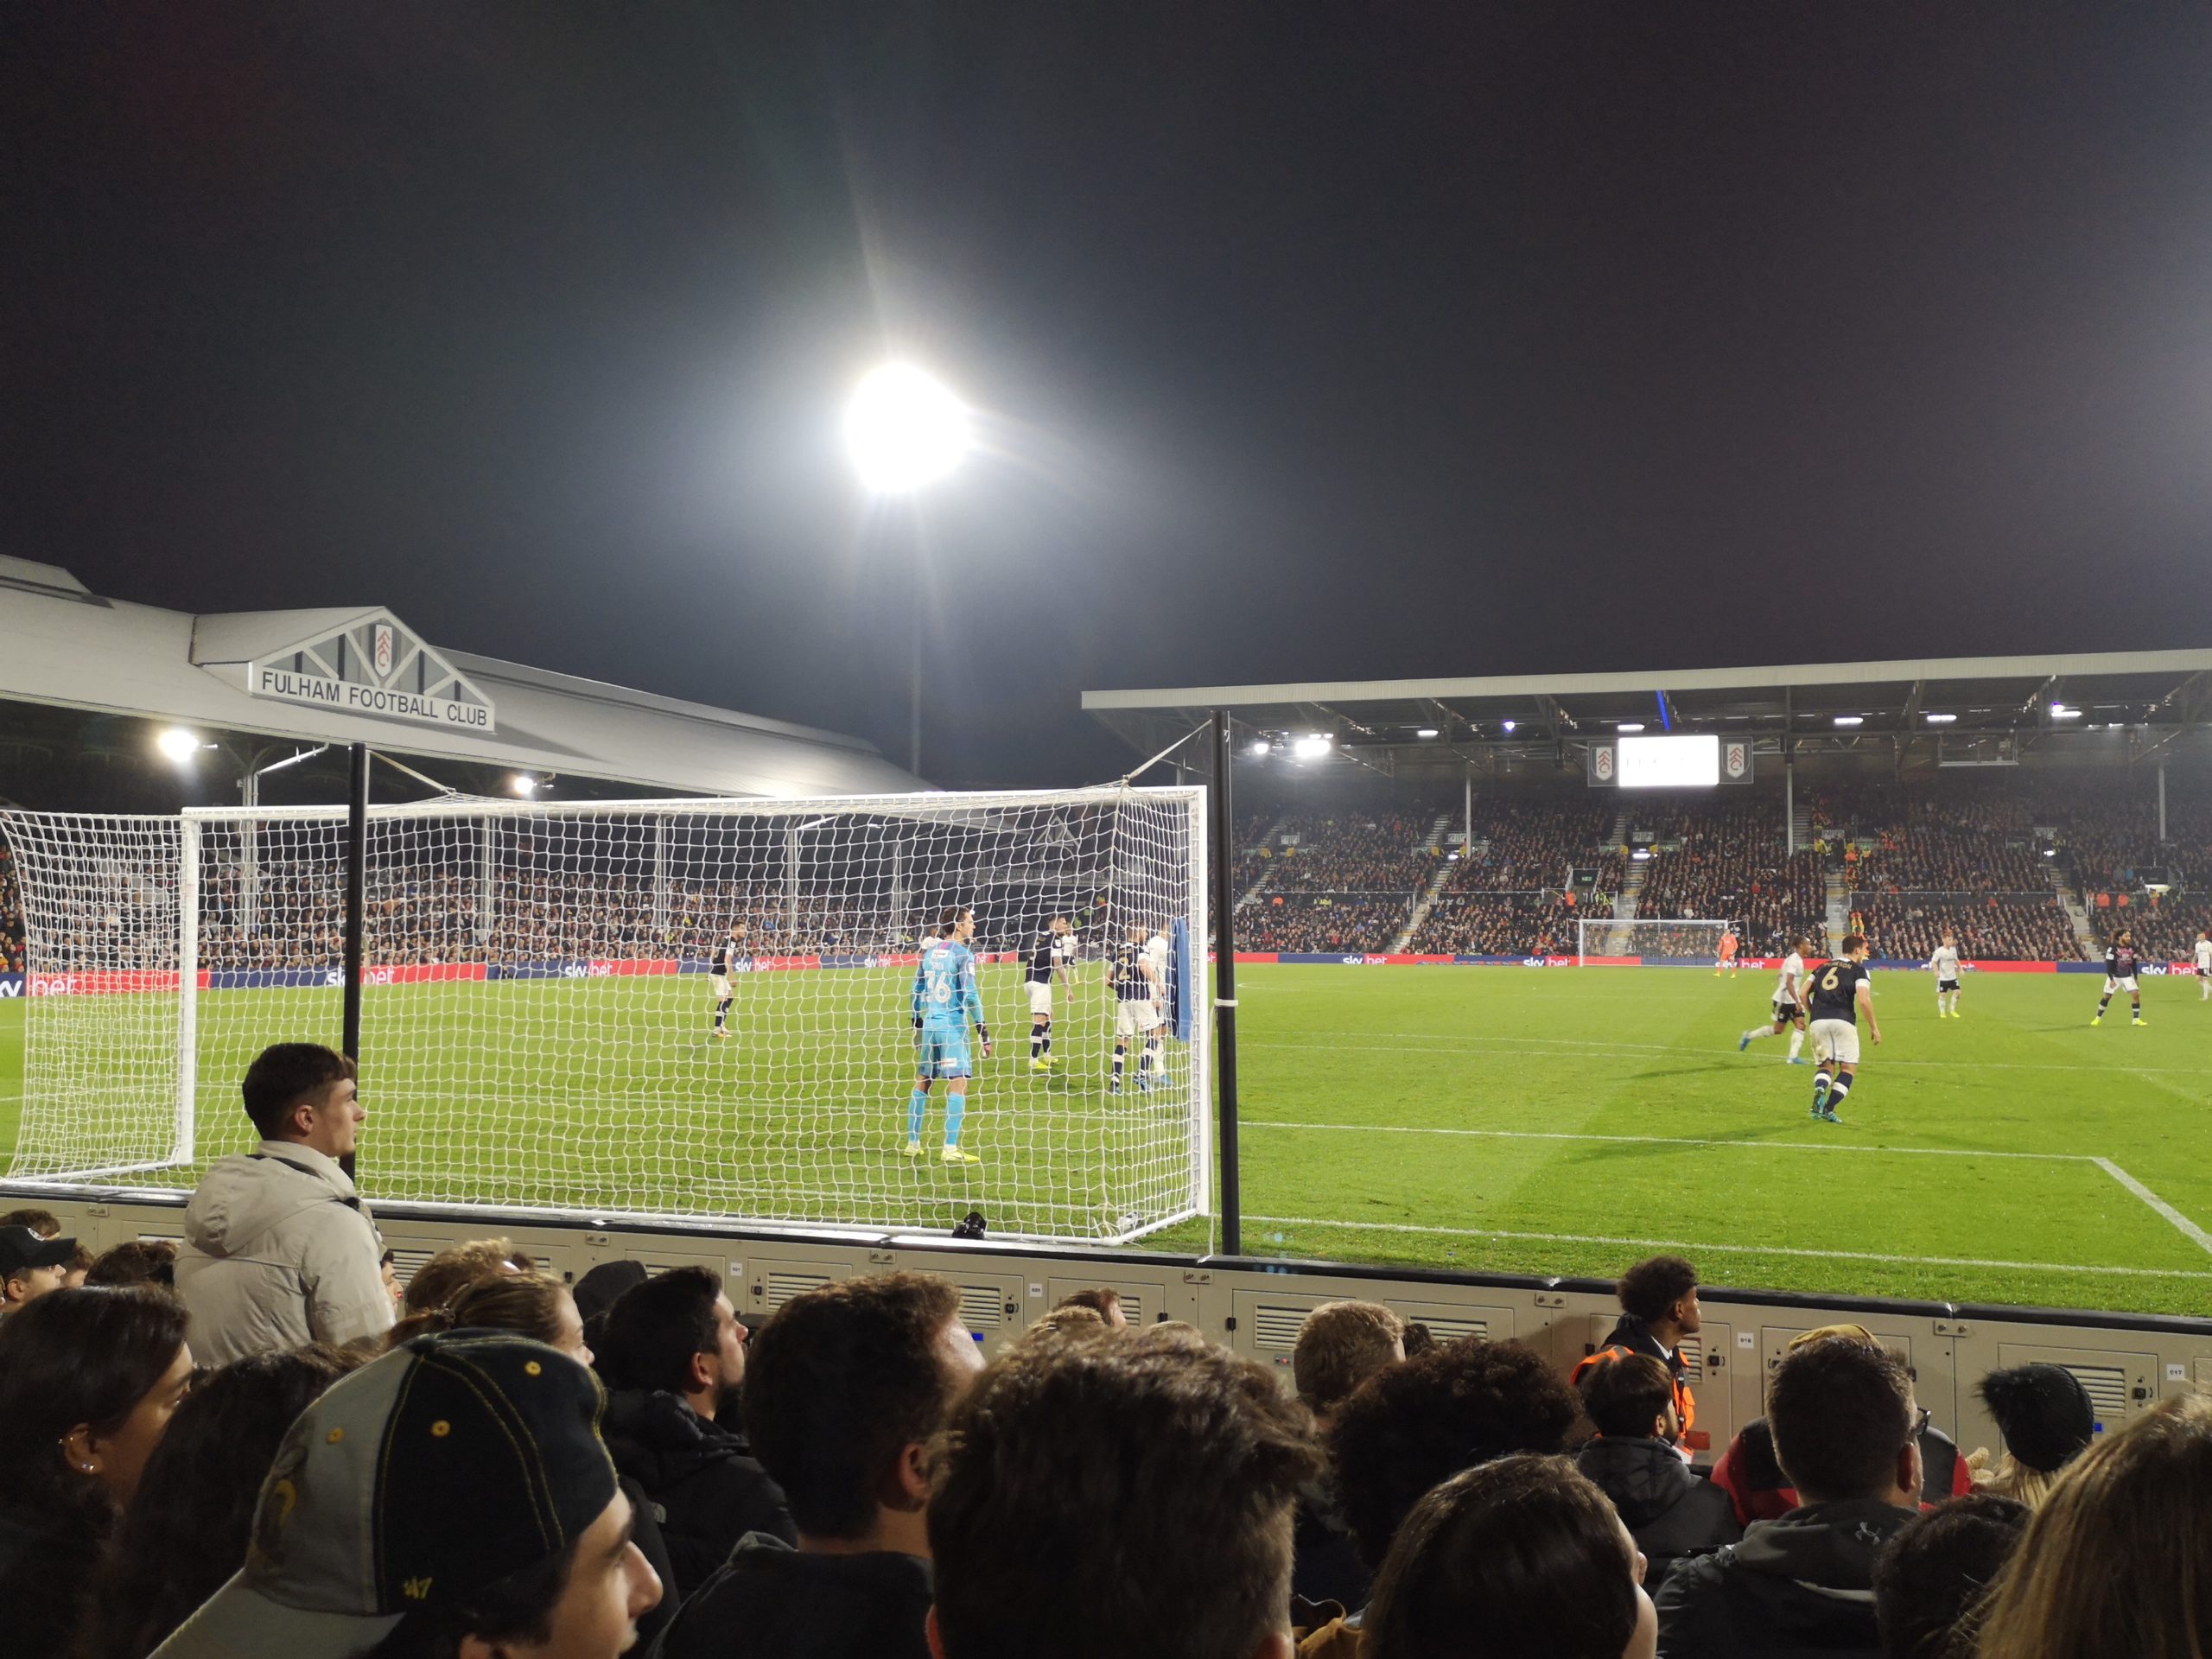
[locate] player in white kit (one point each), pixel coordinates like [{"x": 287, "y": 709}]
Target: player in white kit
[
  {"x": 2203, "y": 966},
  {"x": 1944, "y": 964},
  {"x": 1789, "y": 1005}
]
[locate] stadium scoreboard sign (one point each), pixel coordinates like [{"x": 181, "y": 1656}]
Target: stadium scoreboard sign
[
  {"x": 1688, "y": 760},
  {"x": 378, "y": 668}
]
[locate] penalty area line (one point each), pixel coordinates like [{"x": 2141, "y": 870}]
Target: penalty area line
[
  {"x": 1729, "y": 1249},
  {"x": 2188, "y": 1229}
]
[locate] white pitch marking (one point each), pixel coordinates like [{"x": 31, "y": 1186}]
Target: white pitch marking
[
  {"x": 1731, "y": 1250},
  {"x": 2189, "y": 1230},
  {"x": 1668, "y": 1141},
  {"x": 1551, "y": 1044}
]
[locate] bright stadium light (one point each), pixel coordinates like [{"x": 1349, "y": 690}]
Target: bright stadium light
[
  {"x": 178, "y": 744},
  {"x": 525, "y": 785},
  {"x": 1629, "y": 726},
  {"x": 1260, "y": 749},
  {"x": 1310, "y": 748},
  {"x": 1425, "y": 731},
  {"x": 2060, "y": 711},
  {"x": 1505, "y": 725},
  {"x": 903, "y": 429},
  {"x": 1940, "y": 720},
  {"x": 1850, "y": 720}
]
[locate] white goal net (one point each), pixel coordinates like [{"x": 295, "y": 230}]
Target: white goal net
[
  {"x": 1649, "y": 939},
  {"x": 539, "y": 1009}
]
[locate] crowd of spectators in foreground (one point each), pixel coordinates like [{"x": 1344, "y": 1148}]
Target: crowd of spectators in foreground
[{"x": 202, "y": 1454}]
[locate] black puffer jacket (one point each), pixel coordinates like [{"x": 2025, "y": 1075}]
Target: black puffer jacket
[
  {"x": 1672, "y": 1513},
  {"x": 1795, "y": 1587},
  {"x": 43, "y": 1569},
  {"x": 706, "y": 1490}
]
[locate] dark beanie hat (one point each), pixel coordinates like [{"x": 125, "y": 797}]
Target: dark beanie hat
[
  {"x": 597, "y": 1290},
  {"x": 2044, "y": 1412}
]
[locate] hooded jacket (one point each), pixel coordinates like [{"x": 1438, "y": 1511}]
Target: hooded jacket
[
  {"x": 707, "y": 1490},
  {"x": 771, "y": 1599},
  {"x": 1672, "y": 1514},
  {"x": 1798, "y": 1587},
  {"x": 279, "y": 1251}
]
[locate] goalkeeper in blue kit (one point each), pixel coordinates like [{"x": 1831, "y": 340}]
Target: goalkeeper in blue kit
[{"x": 945, "y": 1002}]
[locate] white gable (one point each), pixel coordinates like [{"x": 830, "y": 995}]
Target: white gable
[{"x": 357, "y": 662}]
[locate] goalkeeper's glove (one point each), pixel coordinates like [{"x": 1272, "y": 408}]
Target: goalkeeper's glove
[
  {"x": 918, "y": 1022},
  {"x": 984, "y": 1032}
]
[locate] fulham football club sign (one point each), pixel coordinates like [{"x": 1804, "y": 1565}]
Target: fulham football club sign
[{"x": 376, "y": 667}]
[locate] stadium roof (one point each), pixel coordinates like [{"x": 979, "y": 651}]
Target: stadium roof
[
  {"x": 1960, "y": 710},
  {"x": 360, "y": 674}
]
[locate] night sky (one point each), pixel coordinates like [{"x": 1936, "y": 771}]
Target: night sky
[{"x": 1313, "y": 340}]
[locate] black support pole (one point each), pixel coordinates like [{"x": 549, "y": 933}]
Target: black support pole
[
  {"x": 1224, "y": 985},
  {"x": 357, "y": 863}
]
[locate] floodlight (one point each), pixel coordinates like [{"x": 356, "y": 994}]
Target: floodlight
[
  {"x": 525, "y": 785},
  {"x": 1310, "y": 748},
  {"x": 1425, "y": 731},
  {"x": 1505, "y": 725},
  {"x": 1629, "y": 726},
  {"x": 2059, "y": 711},
  {"x": 903, "y": 429},
  {"x": 1939, "y": 719},
  {"x": 2050, "y": 852},
  {"x": 1261, "y": 748},
  {"x": 1640, "y": 854},
  {"x": 178, "y": 744},
  {"x": 1850, "y": 720}
]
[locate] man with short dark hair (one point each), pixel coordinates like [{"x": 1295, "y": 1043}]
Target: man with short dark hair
[
  {"x": 1097, "y": 1500},
  {"x": 675, "y": 1358},
  {"x": 279, "y": 1250},
  {"x": 1847, "y": 1433},
  {"x": 844, "y": 1388},
  {"x": 1340, "y": 1346},
  {"x": 1658, "y": 1298},
  {"x": 31, "y": 1266},
  {"x": 1933, "y": 1569},
  {"x": 1671, "y": 1513},
  {"x": 452, "y": 1498}
]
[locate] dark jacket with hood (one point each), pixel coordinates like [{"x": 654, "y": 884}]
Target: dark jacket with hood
[
  {"x": 779, "y": 1603},
  {"x": 1672, "y": 1513},
  {"x": 1798, "y": 1587},
  {"x": 706, "y": 1490}
]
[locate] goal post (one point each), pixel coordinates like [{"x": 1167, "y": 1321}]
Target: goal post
[
  {"x": 1648, "y": 939},
  {"x": 538, "y": 1025}
]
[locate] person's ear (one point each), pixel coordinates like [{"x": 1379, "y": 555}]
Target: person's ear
[
  {"x": 910, "y": 1478},
  {"x": 706, "y": 1370},
  {"x": 1910, "y": 1471},
  {"x": 1276, "y": 1644},
  {"x": 81, "y": 1447}
]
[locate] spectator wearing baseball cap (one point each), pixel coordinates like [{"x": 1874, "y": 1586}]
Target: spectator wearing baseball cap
[
  {"x": 2047, "y": 1421},
  {"x": 31, "y": 1266},
  {"x": 453, "y": 1497}
]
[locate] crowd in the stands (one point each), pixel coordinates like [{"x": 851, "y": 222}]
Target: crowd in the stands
[
  {"x": 267, "y": 1445},
  {"x": 1987, "y": 926},
  {"x": 1917, "y": 856},
  {"x": 1725, "y": 859}
]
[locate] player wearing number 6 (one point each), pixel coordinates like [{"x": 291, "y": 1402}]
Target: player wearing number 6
[
  {"x": 1841, "y": 990},
  {"x": 945, "y": 1002}
]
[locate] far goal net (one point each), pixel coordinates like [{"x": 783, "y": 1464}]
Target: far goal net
[
  {"x": 1649, "y": 939},
  {"x": 539, "y": 1005}
]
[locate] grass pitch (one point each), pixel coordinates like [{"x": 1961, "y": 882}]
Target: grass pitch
[{"x": 1502, "y": 1119}]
